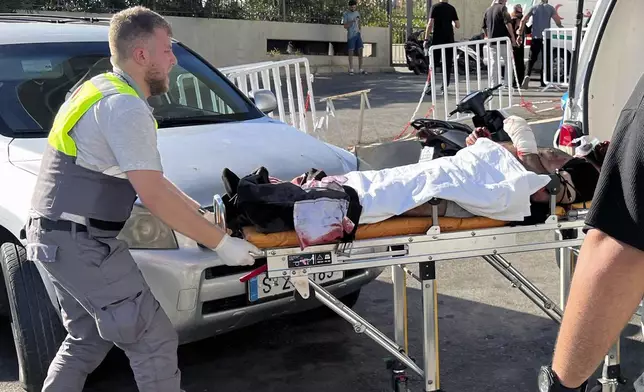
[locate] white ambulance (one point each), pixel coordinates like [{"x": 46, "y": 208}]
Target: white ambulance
[{"x": 562, "y": 42}]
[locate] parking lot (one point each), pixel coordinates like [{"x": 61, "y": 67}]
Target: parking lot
[
  {"x": 492, "y": 338},
  {"x": 395, "y": 96}
]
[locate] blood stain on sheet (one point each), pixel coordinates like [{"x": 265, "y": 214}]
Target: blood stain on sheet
[{"x": 320, "y": 221}]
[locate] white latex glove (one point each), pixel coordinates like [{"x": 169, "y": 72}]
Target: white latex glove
[
  {"x": 234, "y": 251},
  {"x": 521, "y": 135}
]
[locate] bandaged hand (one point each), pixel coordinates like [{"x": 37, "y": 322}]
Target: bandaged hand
[
  {"x": 234, "y": 251},
  {"x": 478, "y": 133},
  {"x": 521, "y": 135}
]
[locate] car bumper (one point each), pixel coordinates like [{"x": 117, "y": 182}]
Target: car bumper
[{"x": 203, "y": 298}]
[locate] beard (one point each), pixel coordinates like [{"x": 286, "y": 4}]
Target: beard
[{"x": 157, "y": 82}]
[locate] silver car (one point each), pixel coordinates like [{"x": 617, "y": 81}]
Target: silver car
[{"x": 40, "y": 64}]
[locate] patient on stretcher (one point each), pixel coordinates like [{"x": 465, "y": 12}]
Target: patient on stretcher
[
  {"x": 578, "y": 175},
  {"x": 499, "y": 182}
]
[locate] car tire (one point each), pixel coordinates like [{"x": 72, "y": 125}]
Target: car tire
[
  {"x": 560, "y": 58},
  {"x": 37, "y": 329},
  {"x": 5, "y": 312}
]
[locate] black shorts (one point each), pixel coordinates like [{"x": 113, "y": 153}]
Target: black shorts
[{"x": 618, "y": 204}]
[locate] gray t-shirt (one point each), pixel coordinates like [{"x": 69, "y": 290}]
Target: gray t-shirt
[
  {"x": 118, "y": 135},
  {"x": 351, "y": 16},
  {"x": 541, "y": 16}
]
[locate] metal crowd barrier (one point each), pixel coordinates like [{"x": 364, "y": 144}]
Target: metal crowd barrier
[
  {"x": 558, "y": 45},
  {"x": 486, "y": 58},
  {"x": 274, "y": 76}
]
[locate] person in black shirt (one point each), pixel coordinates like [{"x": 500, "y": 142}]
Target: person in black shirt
[
  {"x": 608, "y": 283},
  {"x": 517, "y": 16},
  {"x": 441, "y": 17},
  {"x": 497, "y": 23}
]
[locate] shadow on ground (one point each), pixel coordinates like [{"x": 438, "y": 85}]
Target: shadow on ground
[
  {"x": 482, "y": 347},
  {"x": 394, "y": 88},
  {"x": 394, "y": 98}
]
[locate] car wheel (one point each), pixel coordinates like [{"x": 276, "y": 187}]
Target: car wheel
[
  {"x": 5, "y": 312},
  {"x": 560, "y": 59},
  {"x": 37, "y": 329}
]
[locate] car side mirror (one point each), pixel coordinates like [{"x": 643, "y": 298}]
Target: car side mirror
[{"x": 265, "y": 100}]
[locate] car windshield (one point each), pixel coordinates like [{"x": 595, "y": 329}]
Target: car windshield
[{"x": 35, "y": 79}]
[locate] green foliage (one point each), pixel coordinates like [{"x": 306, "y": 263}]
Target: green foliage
[
  {"x": 9, "y": 5},
  {"x": 374, "y": 12}
]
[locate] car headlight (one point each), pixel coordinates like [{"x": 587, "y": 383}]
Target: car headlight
[{"x": 145, "y": 231}]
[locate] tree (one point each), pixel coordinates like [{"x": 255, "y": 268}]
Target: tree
[{"x": 374, "y": 12}]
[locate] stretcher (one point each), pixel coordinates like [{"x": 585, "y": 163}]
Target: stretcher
[{"x": 402, "y": 241}]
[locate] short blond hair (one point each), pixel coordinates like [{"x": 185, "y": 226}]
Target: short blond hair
[{"x": 131, "y": 25}]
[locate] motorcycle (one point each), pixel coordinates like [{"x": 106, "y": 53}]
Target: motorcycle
[
  {"x": 446, "y": 138},
  {"x": 415, "y": 54}
]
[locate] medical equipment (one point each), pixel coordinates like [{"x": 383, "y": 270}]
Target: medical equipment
[{"x": 400, "y": 241}]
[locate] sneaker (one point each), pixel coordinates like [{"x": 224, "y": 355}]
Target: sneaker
[
  {"x": 362, "y": 71},
  {"x": 351, "y": 71},
  {"x": 526, "y": 81}
]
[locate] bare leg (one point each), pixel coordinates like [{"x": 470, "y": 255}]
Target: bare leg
[
  {"x": 350, "y": 59},
  {"x": 606, "y": 289},
  {"x": 360, "y": 59}
]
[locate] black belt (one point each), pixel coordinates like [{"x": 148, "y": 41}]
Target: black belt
[{"x": 64, "y": 225}]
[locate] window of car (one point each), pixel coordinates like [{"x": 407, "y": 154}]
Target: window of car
[{"x": 35, "y": 79}]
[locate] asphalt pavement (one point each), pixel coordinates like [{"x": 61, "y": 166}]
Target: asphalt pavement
[
  {"x": 491, "y": 337},
  {"x": 395, "y": 97}
]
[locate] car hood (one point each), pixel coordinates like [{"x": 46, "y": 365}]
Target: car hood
[{"x": 194, "y": 157}]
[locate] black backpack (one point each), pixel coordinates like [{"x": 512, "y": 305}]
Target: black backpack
[{"x": 254, "y": 200}]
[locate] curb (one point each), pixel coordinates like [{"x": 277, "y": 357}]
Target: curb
[{"x": 344, "y": 69}]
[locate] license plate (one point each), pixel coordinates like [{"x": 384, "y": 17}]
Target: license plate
[{"x": 262, "y": 286}]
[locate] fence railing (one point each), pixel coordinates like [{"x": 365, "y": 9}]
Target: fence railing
[
  {"x": 479, "y": 64},
  {"x": 398, "y": 56},
  {"x": 559, "y": 44},
  {"x": 285, "y": 79}
]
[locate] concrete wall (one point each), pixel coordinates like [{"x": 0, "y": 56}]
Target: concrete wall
[
  {"x": 227, "y": 42},
  {"x": 232, "y": 42},
  {"x": 470, "y": 14}
]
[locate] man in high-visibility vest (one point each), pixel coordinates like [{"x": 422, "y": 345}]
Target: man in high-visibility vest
[{"x": 102, "y": 153}]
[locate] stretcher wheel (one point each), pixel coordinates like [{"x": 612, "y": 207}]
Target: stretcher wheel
[
  {"x": 400, "y": 384},
  {"x": 399, "y": 378}
]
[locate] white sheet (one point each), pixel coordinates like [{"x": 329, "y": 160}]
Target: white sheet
[{"x": 485, "y": 179}]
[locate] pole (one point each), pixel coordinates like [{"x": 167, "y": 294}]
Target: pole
[
  {"x": 284, "y": 10},
  {"x": 410, "y": 17},
  {"x": 391, "y": 34},
  {"x": 575, "y": 53}
]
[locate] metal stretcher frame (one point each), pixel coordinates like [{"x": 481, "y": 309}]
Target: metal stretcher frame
[{"x": 425, "y": 250}]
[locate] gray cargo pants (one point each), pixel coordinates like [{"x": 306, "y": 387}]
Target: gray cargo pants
[{"x": 105, "y": 301}]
